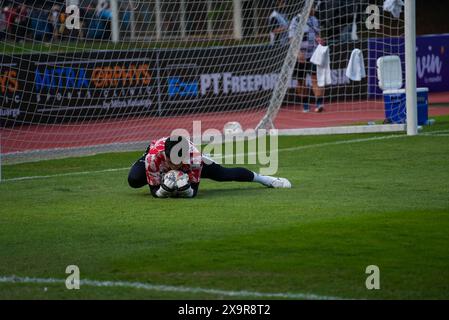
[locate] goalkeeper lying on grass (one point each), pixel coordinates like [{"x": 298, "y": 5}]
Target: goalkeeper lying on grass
[{"x": 173, "y": 166}]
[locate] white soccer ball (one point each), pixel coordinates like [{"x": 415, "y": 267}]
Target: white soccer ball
[
  {"x": 175, "y": 179},
  {"x": 232, "y": 128}
]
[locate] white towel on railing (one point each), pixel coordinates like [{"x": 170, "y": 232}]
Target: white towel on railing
[
  {"x": 356, "y": 67},
  {"x": 321, "y": 58},
  {"x": 354, "y": 36},
  {"x": 394, "y": 6}
]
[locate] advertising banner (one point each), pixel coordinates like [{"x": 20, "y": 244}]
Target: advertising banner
[
  {"x": 216, "y": 78},
  {"x": 11, "y": 88},
  {"x": 75, "y": 87},
  {"x": 432, "y": 61}
]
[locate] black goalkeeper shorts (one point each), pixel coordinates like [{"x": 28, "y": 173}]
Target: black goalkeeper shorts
[{"x": 302, "y": 69}]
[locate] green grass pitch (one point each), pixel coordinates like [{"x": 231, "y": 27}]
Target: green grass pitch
[{"x": 381, "y": 202}]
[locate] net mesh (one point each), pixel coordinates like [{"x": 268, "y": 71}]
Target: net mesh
[
  {"x": 348, "y": 97},
  {"x": 99, "y": 75}
]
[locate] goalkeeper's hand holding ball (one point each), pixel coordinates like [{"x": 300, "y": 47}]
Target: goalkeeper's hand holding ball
[
  {"x": 175, "y": 184},
  {"x": 183, "y": 187},
  {"x": 168, "y": 186}
]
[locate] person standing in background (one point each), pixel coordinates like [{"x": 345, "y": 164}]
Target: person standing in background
[
  {"x": 3, "y": 25},
  {"x": 310, "y": 42},
  {"x": 22, "y": 23},
  {"x": 278, "y": 25},
  {"x": 53, "y": 19},
  {"x": 10, "y": 16}
]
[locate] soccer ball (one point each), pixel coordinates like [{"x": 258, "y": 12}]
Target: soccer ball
[
  {"x": 232, "y": 128},
  {"x": 175, "y": 179}
]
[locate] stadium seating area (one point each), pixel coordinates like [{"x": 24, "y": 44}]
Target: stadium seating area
[{"x": 19, "y": 22}]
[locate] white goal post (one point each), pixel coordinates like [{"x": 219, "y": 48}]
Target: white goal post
[
  {"x": 410, "y": 67},
  {"x": 78, "y": 79},
  {"x": 410, "y": 74}
]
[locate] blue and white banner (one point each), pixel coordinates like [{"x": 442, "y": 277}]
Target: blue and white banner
[{"x": 432, "y": 61}]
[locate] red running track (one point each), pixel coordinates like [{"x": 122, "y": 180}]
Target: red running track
[{"x": 40, "y": 137}]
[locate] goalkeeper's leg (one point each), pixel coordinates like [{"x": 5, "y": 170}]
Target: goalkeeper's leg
[
  {"x": 137, "y": 177},
  {"x": 217, "y": 172},
  {"x": 318, "y": 92}
]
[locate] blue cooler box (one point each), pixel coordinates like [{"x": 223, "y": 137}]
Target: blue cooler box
[{"x": 395, "y": 106}]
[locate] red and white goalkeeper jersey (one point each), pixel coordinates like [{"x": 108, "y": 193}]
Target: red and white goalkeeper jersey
[{"x": 156, "y": 163}]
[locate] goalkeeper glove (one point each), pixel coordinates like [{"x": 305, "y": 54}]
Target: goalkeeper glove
[
  {"x": 185, "y": 193},
  {"x": 168, "y": 183},
  {"x": 167, "y": 187},
  {"x": 162, "y": 193},
  {"x": 184, "y": 190}
]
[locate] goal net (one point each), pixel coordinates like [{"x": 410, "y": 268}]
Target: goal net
[{"x": 78, "y": 76}]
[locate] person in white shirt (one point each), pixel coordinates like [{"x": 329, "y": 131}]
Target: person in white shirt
[
  {"x": 278, "y": 25},
  {"x": 303, "y": 66}
]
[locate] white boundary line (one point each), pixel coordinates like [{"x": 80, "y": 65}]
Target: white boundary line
[
  {"x": 440, "y": 135},
  {"x": 80, "y": 173},
  {"x": 68, "y": 152},
  {"x": 379, "y": 128},
  {"x": 311, "y": 146},
  {"x": 167, "y": 288}
]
